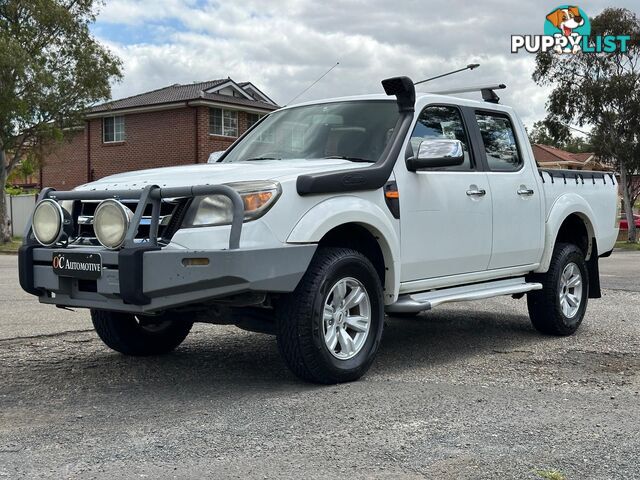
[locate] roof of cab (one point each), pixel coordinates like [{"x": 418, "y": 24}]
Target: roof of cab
[{"x": 422, "y": 99}]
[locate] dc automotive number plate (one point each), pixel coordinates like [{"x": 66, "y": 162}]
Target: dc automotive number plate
[{"x": 85, "y": 266}]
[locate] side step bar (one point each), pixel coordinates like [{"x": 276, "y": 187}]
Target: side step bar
[{"x": 419, "y": 302}]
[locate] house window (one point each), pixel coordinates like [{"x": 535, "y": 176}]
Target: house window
[
  {"x": 113, "y": 129},
  {"x": 223, "y": 122},
  {"x": 252, "y": 118}
]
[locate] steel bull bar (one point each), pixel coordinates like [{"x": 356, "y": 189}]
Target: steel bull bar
[{"x": 123, "y": 282}]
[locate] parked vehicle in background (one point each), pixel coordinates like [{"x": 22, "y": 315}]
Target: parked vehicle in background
[
  {"x": 624, "y": 224},
  {"x": 322, "y": 218}
]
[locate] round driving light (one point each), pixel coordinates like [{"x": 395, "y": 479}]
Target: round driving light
[
  {"x": 111, "y": 222},
  {"x": 47, "y": 222}
]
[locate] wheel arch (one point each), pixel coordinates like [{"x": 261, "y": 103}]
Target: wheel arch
[
  {"x": 359, "y": 224},
  {"x": 570, "y": 220}
]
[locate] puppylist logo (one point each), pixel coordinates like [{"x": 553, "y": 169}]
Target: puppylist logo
[{"x": 567, "y": 30}]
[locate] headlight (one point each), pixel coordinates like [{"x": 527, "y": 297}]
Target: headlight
[
  {"x": 47, "y": 222},
  {"x": 111, "y": 222},
  {"x": 258, "y": 197}
]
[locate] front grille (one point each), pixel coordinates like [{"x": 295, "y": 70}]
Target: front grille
[{"x": 166, "y": 228}]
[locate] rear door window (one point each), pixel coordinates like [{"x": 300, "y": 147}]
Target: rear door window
[{"x": 499, "y": 142}]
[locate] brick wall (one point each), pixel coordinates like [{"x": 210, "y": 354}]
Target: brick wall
[
  {"x": 155, "y": 139},
  {"x": 207, "y": 143},
  {"x": 65, "y": 166}
]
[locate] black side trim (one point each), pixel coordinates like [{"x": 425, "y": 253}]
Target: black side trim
[
  {"x": 578, "y": 176},
  {"x": 25, "y": 269},
  {"x": 130, "y": 274},
  {"x": 594, "y": 272},
  {"x": 375, "y": 176}
]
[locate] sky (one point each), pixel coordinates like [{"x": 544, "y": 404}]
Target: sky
[{"x": 284, "y": 46}]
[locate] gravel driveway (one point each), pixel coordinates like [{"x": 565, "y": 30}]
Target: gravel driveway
[{"x": 468, "y": 391}]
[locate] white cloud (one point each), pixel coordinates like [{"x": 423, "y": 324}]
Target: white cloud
[{"x": 283, "y": 46}]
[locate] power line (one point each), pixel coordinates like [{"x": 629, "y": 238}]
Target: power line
[
  {"x": 320, "y": 78},
  {"x": 578, "y": 130}
]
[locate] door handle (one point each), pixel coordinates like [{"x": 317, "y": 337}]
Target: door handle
[
  {"x": 477, "y": 192},
  {"x": 525, "y": 192}
]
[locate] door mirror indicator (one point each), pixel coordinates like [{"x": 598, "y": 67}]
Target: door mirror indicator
[{"x": 434, "y": 153}]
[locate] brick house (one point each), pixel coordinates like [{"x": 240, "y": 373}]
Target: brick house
[
  {"x": 551, "y": 157},
  {"x": 175, "y": 125}
]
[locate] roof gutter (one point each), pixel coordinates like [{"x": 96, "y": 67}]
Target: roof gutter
[
  {"x": 123, "y": 111},
  {"x": 174, "y": 105},
  {"x": 232, "y": 106}
]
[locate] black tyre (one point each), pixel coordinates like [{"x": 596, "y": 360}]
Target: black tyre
[
  {"x": 330, "y": 327},
  {"x": 558, "y": 309},
  {"x": 140, "y": 335}
]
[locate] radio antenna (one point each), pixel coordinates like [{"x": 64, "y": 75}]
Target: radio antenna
[
  {"x": 471, "y": 66},
  {"x": 319, "y": 78}
]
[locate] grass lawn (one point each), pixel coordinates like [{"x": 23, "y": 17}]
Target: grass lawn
[
  {"x": 624, "y": 245},
  {"x": 12, "y": 246}
]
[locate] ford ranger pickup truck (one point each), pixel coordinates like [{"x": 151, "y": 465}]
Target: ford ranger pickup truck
[{"x": 320, "y": 219}]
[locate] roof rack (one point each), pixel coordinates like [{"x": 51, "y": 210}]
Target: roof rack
[{"x": 488, "y": 94}]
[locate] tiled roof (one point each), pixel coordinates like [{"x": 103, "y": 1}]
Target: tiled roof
[
  {"x": 244, "y": 84},
  {"x": 180, "y": 93},
  {"x": 547, "y": 153},
  {"x": 551, "y": 157},
  {"x": 217, "y": 97},
  {"x": 582, "y": 157}
]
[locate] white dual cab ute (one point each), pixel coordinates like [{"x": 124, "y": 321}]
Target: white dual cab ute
[{"x": 321, "y": 218}]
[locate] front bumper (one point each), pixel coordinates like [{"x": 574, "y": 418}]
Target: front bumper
[
  {"x": 150, "y": 280},
  {"x": 143, "y": 277}
]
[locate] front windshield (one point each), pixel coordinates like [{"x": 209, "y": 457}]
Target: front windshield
[{"x": 356, "y": 130}]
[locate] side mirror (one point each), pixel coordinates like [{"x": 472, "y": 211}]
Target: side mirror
[{"x": 437, "y": 152}]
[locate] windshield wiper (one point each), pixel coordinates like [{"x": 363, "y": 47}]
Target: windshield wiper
[
  {"x": 351, "y": 159},
  {"x": 260, "y": 158}
]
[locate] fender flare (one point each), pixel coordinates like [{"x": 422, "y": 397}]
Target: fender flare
[
  {"x": 346, "y": 209},
  {"x": 564, "y": 206}
]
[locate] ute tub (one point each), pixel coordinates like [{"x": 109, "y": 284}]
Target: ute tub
[
  {"x": 144, "y": 277},
  {"x": 155, "y": 280}
]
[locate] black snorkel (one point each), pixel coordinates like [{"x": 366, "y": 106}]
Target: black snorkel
[{"x": 375, "y": 176}]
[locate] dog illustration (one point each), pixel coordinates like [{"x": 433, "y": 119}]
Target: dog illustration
[{"x": 566, "y": 19}]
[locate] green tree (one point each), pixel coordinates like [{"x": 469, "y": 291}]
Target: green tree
[
  {"x": 601, "y": 90},
  {"x": 51, "y": 70},
  {"x": 578, "y": 145},
  {"x": 25, "y": 168},
  {"x": 540, "y": 134},
  {"x": 558, "y": 136}
]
